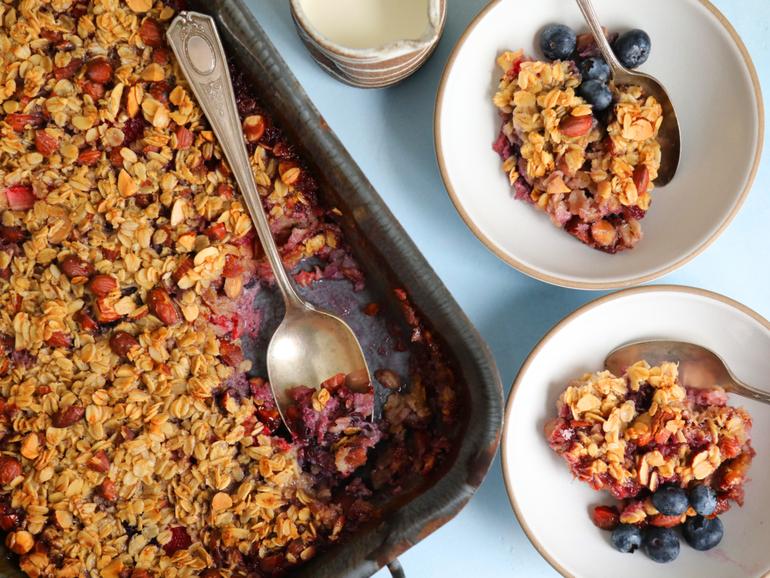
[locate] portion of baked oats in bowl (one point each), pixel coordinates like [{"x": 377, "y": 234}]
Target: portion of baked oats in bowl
[
  {"x": 647, "y": 439},
  {"x": 589, "y": 165},
  {"x": 137, "y": 436}
]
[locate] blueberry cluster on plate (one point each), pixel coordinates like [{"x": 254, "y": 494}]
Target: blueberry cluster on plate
[
  {"x": 702, "y": 531},
  {"x": 560, "y": 42}
]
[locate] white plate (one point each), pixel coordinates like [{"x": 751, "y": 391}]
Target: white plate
[
  {"x": 702, "y": 62},
  {"x": 553, "y": 508}
]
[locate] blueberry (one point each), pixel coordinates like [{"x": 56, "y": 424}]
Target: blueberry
[
  {"x": 661, "y": 544},
  {"x": 703, "y": 500},
  {"x": 596, "y": 93},
  {"x": 670, "y": 500},
  {"x": 595, "y": 68},
  {"x": 632, "y": 48},
  {"x": 626, "y": 538},
  {"x": 703, "y": 533},
  {"x": 557, "y": 41}
]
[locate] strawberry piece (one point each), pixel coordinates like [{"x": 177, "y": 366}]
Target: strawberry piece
[
  {"x": 19, "y": 121},
  {"x": 20, "y": 197},
  {"x": 12, "y": 234},
  {"x": 232, "y": 267},
  {"x": 605, "y": 517},
  {"x": 216, "y": 232},
  {"x": 269, "y": 417},
  {"x": 663, "y": 521},
  {"x": 230, "y": 353},
  {"x": 180, "y": 540}
]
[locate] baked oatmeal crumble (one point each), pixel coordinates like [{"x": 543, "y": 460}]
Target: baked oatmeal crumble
[
  {"x": 632, "y": 434},
  {"x": 593, "y": 176},
  {"x": 132, "y": 442}
]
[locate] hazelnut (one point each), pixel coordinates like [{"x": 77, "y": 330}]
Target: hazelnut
[
  {"x": 10, "y": 469},
  {"x": 121, "y": 343},
  {"x": 603, "y": 233},
  {"x": 102, "y": 285},
  {"x": 19, "y": 542},
  {"x": 68, "y": 416},
  {"x": 254, "y": 127},
  {"x": 99, "y": 70},
  {"x": 107, "y": 490},
  {"x": 99, "y": 462},
  {"x": 160, "y": 304},
  {"x": 73, "y": 266}
]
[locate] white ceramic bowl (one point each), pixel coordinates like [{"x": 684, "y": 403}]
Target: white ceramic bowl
[
  {"x": 553, "y": 508},
  {"x": 702, "y": 62},
  {"x": 371, "y": 67}
]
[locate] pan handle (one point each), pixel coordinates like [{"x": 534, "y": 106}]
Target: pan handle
[{"x": 396, "y": 571}]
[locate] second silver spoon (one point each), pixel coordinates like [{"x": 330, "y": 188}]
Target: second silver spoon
[{"x": 668, "y": 135}]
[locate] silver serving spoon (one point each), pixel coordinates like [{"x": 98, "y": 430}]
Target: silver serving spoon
[
  {"x": 699, "y": 367},
  {"x": 668, "y": 135},
  {"x": 309, "y": 345}
]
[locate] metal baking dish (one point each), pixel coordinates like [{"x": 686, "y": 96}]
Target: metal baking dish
[{"x": 389, "y": 259}]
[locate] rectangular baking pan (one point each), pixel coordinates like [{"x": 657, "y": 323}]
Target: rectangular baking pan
[{"x": 389, "y": 259}]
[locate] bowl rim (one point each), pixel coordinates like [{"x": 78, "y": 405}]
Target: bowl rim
[
  {"x": 596, "y": 285},
  {"x": 622, "y": 294}
]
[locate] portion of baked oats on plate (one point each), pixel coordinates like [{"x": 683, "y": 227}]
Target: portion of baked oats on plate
[{"x": 662, "y": 460}]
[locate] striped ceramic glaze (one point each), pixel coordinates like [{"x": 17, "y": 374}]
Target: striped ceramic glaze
[{"x": 371, "y": 67}]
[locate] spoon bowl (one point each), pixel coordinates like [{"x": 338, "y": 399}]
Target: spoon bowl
[
  {"x": 668, "y": 135},
  {"x": 699, "y": 367},
  {"x": 310, "y": 346}
]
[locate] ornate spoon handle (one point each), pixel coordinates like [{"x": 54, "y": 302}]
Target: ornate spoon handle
[{"x": 194, "y": 39}]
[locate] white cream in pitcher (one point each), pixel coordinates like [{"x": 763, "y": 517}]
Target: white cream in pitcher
[{"x": 368, "y": 23}]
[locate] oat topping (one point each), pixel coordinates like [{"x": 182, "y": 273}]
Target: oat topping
[
  {"x": 633, "y": 433},
  {"x": 591, "y": 173},
  {"x": 133, "y": 443}
]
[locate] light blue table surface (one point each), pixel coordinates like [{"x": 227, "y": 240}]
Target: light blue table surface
[{"x": 390, "y": 135}]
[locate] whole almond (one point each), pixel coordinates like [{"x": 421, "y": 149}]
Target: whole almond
[
  {"x": 45, "y": 143},
  {"x": 99, "y": 70},
  {"x": 89, "y": 157},
  {"x": 160, "y": 304},
  {"x": 641, "y": 178},
  {"x": 68, "y": 416},
  {"x": 184, "y": 138},
  {"x": 121, "y": 343},
  {"x": 73, "y": 266},
  {"x": 102, "y": 285},
  {"x": 99, "y": 462},
  {"x": 576, "y": 126},
  {"x": 10, "y": 469}
]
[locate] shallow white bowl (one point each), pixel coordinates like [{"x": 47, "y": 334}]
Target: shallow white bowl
[
  {"x": 553, "y": 508},
  {"x": 702, "y": 62}
]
